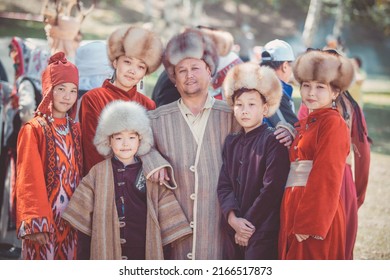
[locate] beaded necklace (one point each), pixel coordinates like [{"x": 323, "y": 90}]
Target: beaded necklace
[{"x": 63, "y": 131}]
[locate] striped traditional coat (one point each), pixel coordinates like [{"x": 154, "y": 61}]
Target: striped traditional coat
[
  {"x": 196, "y": 167},
  {"x": 92, "y": 210}
]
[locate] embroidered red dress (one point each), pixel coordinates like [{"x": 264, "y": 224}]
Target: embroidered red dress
[
  {"x": 49, "y": 165},
  {"x": 316, "y": 209},
  {"x": 92, "y": 105}
]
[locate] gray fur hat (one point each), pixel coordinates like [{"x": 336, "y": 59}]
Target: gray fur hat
[
  {"x": 325, "y": 67},
  {"x": 138, "y": 42},
  {"x": 119, "y": 116},
  {"x": 253, "y": 76},
  {"x": 192, "y": 43}
]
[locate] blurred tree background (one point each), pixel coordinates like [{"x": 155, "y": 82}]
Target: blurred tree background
[{"x": 363, "y": 26}]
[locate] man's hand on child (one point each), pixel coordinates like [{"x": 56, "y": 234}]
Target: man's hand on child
[{"x": 284, "y": 136}]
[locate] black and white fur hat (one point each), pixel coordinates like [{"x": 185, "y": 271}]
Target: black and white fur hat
[{"x": 119, "y": 116}]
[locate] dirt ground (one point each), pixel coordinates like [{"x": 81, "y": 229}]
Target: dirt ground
[{"x": 373, "y": 240}]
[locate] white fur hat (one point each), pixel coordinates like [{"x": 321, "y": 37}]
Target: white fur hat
[
  {"x": 138, "y": 42},
  {"x": 325, "y": 67},
  {"x": 252, "y": 76},
  {"x": 119, "y": 116},
  {"x": 192, "y": 43}
]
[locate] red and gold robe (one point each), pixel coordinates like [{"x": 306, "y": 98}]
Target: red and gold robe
[
  {"x": 316, "y": 209},
  {"x": 92, "y": 105},
  {"x": 48, "y": 172}
]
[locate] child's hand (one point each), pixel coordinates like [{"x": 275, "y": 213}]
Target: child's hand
[
  {"x": 160, "y": 176},
  {"x": 240, "y": 240},
  {"x": 242, "y": 227},
  {"x": 42, "y": 238}
]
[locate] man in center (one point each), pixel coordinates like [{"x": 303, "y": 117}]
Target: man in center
[{"x": 189, "y": 133}]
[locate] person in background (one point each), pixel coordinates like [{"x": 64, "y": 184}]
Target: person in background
[
  {"x": 49, "y": 167},
  {"x": 313, "y": 222},
  {"x": 278, "y": 55},
  {"x": 134, "y": 52},
  {"x": 120, "y": 214},
  {"x": 254, "y": 166},
  {"x": 93, "y": 64},
  {"x": 360, "y": 76},
  {"x": 94, "y": 68}
]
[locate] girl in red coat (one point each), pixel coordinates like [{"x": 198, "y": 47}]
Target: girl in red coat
[
  {"x": 312, "y": 213},
  {"x": 133, "y": 52},
  {"x": 48, "y": 166}
]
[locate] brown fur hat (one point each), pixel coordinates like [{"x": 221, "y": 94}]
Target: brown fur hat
[
  {"x": 223, "y": 40},
  {"x": 253, "y": 76},
  {"x": 324, "y": 67},
  {"x": 138, "y": 42},
  {"x": 192, "y": 43}
]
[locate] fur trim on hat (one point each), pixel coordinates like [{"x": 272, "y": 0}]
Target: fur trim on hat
[
  {"x": 324, "y": 67},
  {"x": 252, "y": 76},
  {"x": 119, "y": 116},
  {"x": 136, "y": 42},
  {"x": 223, "y": 40},
  {"x": 192, "y": 43}
]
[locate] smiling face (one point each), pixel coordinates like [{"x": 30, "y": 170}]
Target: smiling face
[
  {"x": 249, "y": 110},
  {"x": 316, "y": 95},
  {"x": 64, "y": 96},
  {"x": 192, "y": 77},
  {"x": 125, "y": 145},
  {"x": 129, "y": 71}
]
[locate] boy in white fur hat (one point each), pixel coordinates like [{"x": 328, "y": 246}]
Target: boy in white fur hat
[
  {"x": 255, "y": 166},
  {"x": 121, "y": 215}
]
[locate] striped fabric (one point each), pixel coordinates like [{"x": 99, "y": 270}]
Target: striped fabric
[
  {"x": 92, "y": 210},
  {"x": 196, "y": 170}
]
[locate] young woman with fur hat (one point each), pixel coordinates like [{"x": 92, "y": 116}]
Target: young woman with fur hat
[
  {"x": 49, "y": 166},
  {"x": 121, "y": 215},
  {"x": 255, "y": 166},
  {"x": 134, "y": 52},
  {"x": 354, "y": 183},
  {"x": 312, "y": 215}
]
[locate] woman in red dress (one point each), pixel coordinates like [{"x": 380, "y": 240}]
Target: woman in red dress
[{"x": 312, "y": 213}]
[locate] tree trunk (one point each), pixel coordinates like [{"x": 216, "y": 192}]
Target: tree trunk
[
  {"x": 311, "y": 23},
  {"x": 338, "y": 25}
]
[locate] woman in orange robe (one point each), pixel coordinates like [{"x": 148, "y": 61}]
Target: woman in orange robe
[
  {"x": 48, "y": 166},
  {"x": 312, "y": 213}
]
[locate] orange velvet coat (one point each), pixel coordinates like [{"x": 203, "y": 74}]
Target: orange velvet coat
[
  {"x": 47, "y": 176},
  {"x": 316, "y": 209},
  {"x": 92, "y": 104}
]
